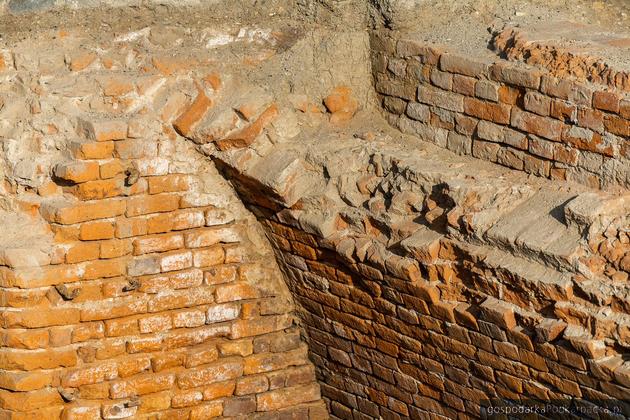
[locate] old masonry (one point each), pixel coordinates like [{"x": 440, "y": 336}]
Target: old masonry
[{"x": 314, "y": 209}]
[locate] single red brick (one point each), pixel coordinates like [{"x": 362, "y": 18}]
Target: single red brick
[
  {"x": 490, "y": 111},
  {"x": 607, "y": 101},
  {"x": 498, "y": 313},
  {"x": 186, "y": 122},
  {"x": 102, "y": 130},
  {"x": 77, "y": 172}
]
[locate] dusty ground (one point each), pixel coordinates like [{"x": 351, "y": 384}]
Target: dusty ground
[
  {"x": 458, "y": 23},
  {"x": 465, "y": 25}
]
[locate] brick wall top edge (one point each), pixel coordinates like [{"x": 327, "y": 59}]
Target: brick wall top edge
[{"x": 430, "y": 53}]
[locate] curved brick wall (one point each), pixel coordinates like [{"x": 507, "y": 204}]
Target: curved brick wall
[{"x": 133, "y": 282}]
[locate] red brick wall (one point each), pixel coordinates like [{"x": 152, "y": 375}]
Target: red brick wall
[
  {"x": 428, "y": 337},
  {"x": 151, "y": 300},
  {"x": 511, "y": 114}
]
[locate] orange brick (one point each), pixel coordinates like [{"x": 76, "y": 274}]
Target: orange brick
[
  {"x": 174, "y": 106},
  {"x": 152, "y": 204},
  {"x": 29, "y": 401},
  {"x": 169, "y": 65},
  {"x": 110, "y": 349},
  {"x": 617, "y": 125},
  {"x": 136, "y": 149},
  {"x": 145, "y": 384},
  {"x": 185, "y": 123},
  {"x": 234, "y": 254},
  {"x": 126, "y": 228},
  {"x": 118, "y": 409},
  {"x": 259, "y": 326},
  {"x": 94, "y": 391},
  {"x": 90, "y": 375},
  {"x": 266, "y": 362},
  {"x": 247, "y": 135},
  {"x": 133, "y": 365},
  {"x": 81, "y": 212},
  {"x": 202, "y": 238},
  {"x": 167, "y": 360},
  {"x": 148, "y": 344},
  {"x": 117, "y": 286},
  {"x": 115, "y": 248},
  {"x": 242, "y": 348},
  {"x": 97, "y": 190},
  {"x": 97, "y": 230},
  {"x": 25, "y": 339},
  {"x": 223, "y": 312},
  {"x": 548, "y": 128},
  {"x": 176, "y": 261},
  {"x": 64, "y": 233},
  {"x": 37, "y": 318},
  {"x": 186, "y": 399},
  {"x": 181, "y": 280},
  {"x": 121, "y": 326},
  {"x": 45, "y": 276},
  {"x": 286, "y": 397},
  {"x": 219, "y": 275},
  {"x": 498, "y": 312},
  {"x": 607, "y": 101},
  {"x": 189, "y": 318},
  {"x": 168, "y": 183},
  {"x": 37, "y": 359},
  {"x": 220, "y": 371},
  {"x": 155, "y": 323},
  {"x": 185, "y": 338},
  {"x": 183, "y": 219},
  {"x": 101, "y": 150},
  {"x": 24, "y": 381},
  {"x": 155, "y": 402},
  {"x": 19, "y": 298},
  {"x": 464, "y": 85},
  {"x": 88, "y": 331},
  {"x": 77, "y": 172},
  {"x": 207, "y": 411},
  {"x": 340, "y": 100},
  {"x": 157, "y": 243},
  {"x": 48, "y": 189},
  {"x": 160, "y": 223},
  {"x": 219, "y": 390},
  {"x": 102, "y": 130},
  {"x": 236, "y": 291},
  {"x": 111, "y": 169},
  {"x": 181, "y": 299},
  {"x": 118, "y": 308},
  {"x": 82, "y": 411},
  {"x": 80, "y": 252},
  {"x": 201, "y": 356},
  {"x": 495, "y": 112},
  {"x": 208, "y": 257},
  {"x": 252, "y": 385}
]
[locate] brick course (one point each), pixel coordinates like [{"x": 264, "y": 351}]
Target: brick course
[
  {"x": 515, "y": 95},
  {"x": 145, "y": 311}
]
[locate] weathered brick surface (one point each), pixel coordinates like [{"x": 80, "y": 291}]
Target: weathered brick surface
[
  {"x": 148, "y": 303},
  {"x": 509, "y": 94},
  {"x": 157, "y": 298},
  {"x": 383, "y": 348},
  {"x": 457, "y": 285}
]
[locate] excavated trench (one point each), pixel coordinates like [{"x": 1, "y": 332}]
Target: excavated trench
[{"x": 291, "y": 216}]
